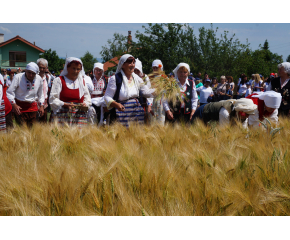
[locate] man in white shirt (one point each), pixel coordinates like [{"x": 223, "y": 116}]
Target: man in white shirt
[
  {"x": 43, "y": 65},
  {"x": 24, "y": 93}
]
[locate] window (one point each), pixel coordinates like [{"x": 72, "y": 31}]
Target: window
[{"x": 16, "y": 57}]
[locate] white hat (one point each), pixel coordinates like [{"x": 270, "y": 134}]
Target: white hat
[
  {"x": 156, "y": 63},
  {"x": 98, "y": 65},
  {"x": 138, "y": 65},
  {"x": 179, "y": 66},
  {"x": 32, "y": 67},
  {"x": 271, "y": 99}
]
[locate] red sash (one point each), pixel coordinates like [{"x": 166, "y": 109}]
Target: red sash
[
  {"x": 26, "y": 106},
  {"x": 261, "y": 106},
  {"x": 8, "y": 106},
  {"x": 69, "y": 95}
]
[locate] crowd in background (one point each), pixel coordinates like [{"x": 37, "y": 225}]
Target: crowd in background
[{"x": 79, "y": 97}]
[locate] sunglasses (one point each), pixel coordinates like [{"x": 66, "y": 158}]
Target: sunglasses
[{"x": 130, "y": 60}]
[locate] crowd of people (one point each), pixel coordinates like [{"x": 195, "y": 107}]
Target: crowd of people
[{"x": 74, "y": 98}]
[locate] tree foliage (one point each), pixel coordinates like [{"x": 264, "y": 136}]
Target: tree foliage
[
  {"x": 88, "y": 61},
  {"x": 54, "y": 62},
  {"x": 115, "y": 47},
  {"x": 204, "y": 52}
]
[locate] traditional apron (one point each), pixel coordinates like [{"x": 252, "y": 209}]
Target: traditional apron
[
  {"x": 133, "y": 112},
  {"x": 2, "y": 112},
  {"x": 66, "y": 116}
]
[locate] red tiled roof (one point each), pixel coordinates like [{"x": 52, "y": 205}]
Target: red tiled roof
[
  {"x": 23, "y": 40},
  {"x": 110, "y": 63}
]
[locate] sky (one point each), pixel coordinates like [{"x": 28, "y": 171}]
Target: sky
[{"x": 74, "y": 39}]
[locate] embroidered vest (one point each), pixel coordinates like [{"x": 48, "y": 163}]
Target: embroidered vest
[
  {"x": 285, "y": 92},
  {"x": 69, "y": 95},
  {"x": 187, "y": 100}
]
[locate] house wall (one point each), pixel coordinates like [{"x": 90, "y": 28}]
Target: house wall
[{"x": 31, "y": 53}]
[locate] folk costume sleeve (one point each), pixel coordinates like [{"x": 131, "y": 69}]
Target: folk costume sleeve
[
  {"x": 145, "y": 89},
  {"x": 40, "y": 94},
  {"x": 110, "y": 92},
  {"x": 54, "y": 101},
  {"x": 11, "y": 90},
  {"x": 194, "y": 98},
  {"x": 87, "y": 96}
]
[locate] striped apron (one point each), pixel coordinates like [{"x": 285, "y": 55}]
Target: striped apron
[
  {"x": 133, "y": 113},
  {"x": 2, "y": 116}
]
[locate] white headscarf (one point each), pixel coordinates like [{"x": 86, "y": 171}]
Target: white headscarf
[
  {"x": 122, "y": 60},
  {"x": 179, "y": 66},
  {"x": 32, "y": 67},
  {"x": 156, "y": 63},
  {"x": 243, "y": 105},
  {"x": 271, "y": 99},
  {"x": 98, "y": 65},
  {"x": 286, "y": 66},
  {"x": 138, "y": 65},
  {"x": 81, "y": 75}
]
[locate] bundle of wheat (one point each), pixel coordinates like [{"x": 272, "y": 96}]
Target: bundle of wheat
[{"x": 165, "y": 87}]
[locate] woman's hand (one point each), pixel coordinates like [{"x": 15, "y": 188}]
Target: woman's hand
[
  {"x": 120, "y": 107},
  {"x": 169, "y": 115},
  {"x": 69, "y": 105},
  {"x": 83, "y": 104},
  {"x": 150, "y": 110},
  {"x": 191, "y": 114}
]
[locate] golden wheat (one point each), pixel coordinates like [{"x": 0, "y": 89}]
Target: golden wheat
[{"x": 144, "y": 170}]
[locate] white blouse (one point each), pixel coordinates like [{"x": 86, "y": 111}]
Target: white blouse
[
  {"x": 133, "y": 89},
  {"x": 1, "y": 87},
  {"x": 89, "y": 84},
  {"x": 183, "y": 87},
  {"x": 55, "y": 103},
  {"x": 254, "y": 119},
  {"x": 24, "y": 90}
]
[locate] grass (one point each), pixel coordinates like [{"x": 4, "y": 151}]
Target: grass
[{"x": 145, "y": 170}]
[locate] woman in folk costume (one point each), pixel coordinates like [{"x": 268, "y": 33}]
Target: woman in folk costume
[
  {"x": 281, "y": 85},
  {"x": 123, "y": 92},
  {"x": 5, "y": 108},
  {"x": 69, "y": 97},
  {"x": 267, "y": 107},
  {"x": 185, "y": 110},
  {"x": 96, "y": 112},
  {"x": 26, "y": 94},
  {"x": 157, "y": 111},
  {"x": 226, "y": 112},
  {"x": 145, "y": 102}
]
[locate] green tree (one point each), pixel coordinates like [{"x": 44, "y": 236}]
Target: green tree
[
  {"x": 266, "y": 45},
  {"x": 88, "y": 61},
  {"x": 288, "y": 58},
  {"x": 54, "y": 62},
  {"x": 162, "y": 41},
  {"x": 115, "y": 47}
]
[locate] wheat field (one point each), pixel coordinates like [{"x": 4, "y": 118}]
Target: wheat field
[{"x": 144, "y": 170}]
